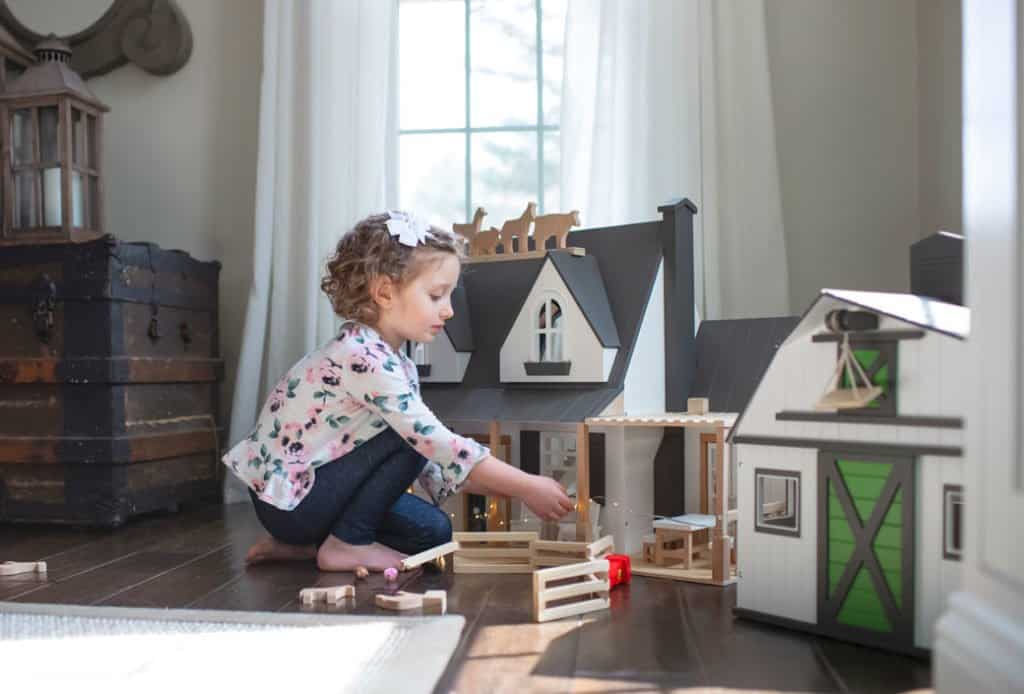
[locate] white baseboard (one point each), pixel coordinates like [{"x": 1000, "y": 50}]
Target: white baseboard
[{"x": 977, "y": 648}]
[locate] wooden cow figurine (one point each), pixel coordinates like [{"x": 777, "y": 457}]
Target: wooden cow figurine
[
  {"x": 518, "y": 228},
  {"x": 556, "y": 225},
  {"x": 469, "y": 231}
]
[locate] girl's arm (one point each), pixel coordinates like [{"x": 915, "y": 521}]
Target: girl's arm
[{"x": 543, "y": 495}]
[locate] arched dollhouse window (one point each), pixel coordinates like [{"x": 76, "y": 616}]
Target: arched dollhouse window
[{"x": 550, "y": 331}]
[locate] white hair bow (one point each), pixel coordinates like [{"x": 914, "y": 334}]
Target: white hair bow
[{"x": 409, "y": 229}]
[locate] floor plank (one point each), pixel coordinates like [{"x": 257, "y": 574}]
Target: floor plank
[{"x": 658, "y": 635}]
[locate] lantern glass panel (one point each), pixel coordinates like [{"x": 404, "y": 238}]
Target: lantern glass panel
[
  {"x": 49, "y": 134},
  {"x": 53, "y": 213},
  {"x": 93, "y": 160},
  {"x": 93, "y": 219},
  {"x": 78, "y": 199},
  {"x": 23, "y": 136},
  {"x": 25, "y": 207},
  {"x": 77, "y": 138}
]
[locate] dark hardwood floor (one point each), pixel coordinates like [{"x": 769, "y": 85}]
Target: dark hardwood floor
[{"x": 658, "y": 636}]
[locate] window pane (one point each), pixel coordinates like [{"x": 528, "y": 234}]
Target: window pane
[
  {"x": 553, "y": 41},
  {"x": 78, "y": 137},
  {"x": 504, "y": 174},
  {"x": 503, "y": 63},
  {"x": 433, "y": 176},
  {"x": 552, "y": 173},
  {"x": 432, "y": 64}
]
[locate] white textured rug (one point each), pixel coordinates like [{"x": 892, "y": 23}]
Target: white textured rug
[{"x": 60, "y": 648}]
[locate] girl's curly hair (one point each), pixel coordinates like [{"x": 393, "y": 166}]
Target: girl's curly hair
[{"x": 369, "y": 251}]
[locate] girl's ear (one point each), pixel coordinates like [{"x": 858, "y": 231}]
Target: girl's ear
[{"x": 382, "y": 291}]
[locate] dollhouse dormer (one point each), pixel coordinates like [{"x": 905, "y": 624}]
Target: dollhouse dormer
[
  {"x": 565, "y": 330},
  {"x": 445, "y": 359}
]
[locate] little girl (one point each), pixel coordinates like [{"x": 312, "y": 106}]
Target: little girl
[{"x": 345, "y": 432}]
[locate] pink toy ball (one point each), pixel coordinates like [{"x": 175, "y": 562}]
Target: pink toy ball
[{"x": 391, "y": 574}]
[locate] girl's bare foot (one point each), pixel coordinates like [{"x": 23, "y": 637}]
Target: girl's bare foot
[
  {"x": 335, "y": 555},
  {"x": 269, "y": 549}
]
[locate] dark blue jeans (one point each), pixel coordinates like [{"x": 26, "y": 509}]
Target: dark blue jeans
[{"x": 361, "y": 498}]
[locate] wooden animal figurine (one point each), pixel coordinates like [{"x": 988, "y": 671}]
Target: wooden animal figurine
[
  {"x": 469, "y": 231},
  {"x": 556, "y": 225},
  {"x": 399, "y": 601},
  {"x": 518, "y": 228},
  {"x": 333, "y": 595},
  {"x": 485, "y": 242}
]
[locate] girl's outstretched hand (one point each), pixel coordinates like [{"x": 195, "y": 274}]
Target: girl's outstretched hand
[{"x": 547, "y": 498}]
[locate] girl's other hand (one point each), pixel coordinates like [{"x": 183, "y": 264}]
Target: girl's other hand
[{"x": 547, "y": 498}]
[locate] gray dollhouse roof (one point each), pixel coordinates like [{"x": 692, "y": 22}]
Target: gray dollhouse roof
[
  {"x": 732, "y": 355},
  {"x": 459, "y": 330},
  {"x": 948, "y": 319},
  {"x": 624, "y": 258},
  {"x": 582, "y": 276}
]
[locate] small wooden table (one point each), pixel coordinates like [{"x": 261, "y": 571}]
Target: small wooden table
[{"x": 673, "y": 539}]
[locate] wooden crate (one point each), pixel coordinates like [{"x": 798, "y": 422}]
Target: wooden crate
[
  {"x": 557, "y": 553},
  {"x": 578, "y": 588},
  {"x": 493, "y": 552},
  {"x": 109, "y": 372}
]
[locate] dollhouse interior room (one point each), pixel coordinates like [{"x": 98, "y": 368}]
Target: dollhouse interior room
[{"x": 743, "y": 277}]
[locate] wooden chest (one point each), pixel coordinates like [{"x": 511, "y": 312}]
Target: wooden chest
[{"x": 109, "y": 373}]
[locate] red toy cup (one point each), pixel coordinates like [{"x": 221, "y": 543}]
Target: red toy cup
[{"x": 618, "y": 569}]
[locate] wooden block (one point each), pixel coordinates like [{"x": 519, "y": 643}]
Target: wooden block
[
  {"x": 429, "y": 555},
  {"x": 435, "y": 602},
  {"x": 697, "y": 406},
  {"x": 11, "y": 568},
  {"x": 399, "y": 601},
  {"x": 333, "y": 595}
]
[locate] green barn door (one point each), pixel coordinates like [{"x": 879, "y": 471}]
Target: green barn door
[{"x": 866, "y": 548}]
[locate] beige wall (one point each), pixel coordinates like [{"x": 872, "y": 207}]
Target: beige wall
[
  {"x": 180, "y": 151},
  {"x": 867, "y": 114},
  {"x": 940, "y": 157},
  {"x": 844, "y": 82}
]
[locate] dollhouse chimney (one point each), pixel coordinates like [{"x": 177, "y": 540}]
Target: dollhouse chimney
[{"x": 680, "y": 343}]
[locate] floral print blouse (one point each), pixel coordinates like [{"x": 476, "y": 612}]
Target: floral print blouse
[{"x": 335, "y": 399}]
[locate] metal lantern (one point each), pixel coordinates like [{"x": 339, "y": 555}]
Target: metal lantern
[{"x": 52, "y": 181}]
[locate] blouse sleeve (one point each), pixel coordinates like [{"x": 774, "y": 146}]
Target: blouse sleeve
[{"x": 374, "y": 376}]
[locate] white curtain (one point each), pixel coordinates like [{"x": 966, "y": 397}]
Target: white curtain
[
  {"x": 672, "y": 98},
  {"x": 327, "y": 157}
]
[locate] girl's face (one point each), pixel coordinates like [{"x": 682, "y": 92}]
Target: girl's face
[{"x": 418, "y": 310}]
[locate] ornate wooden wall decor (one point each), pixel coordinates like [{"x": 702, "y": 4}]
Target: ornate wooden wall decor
[{"x": 153, "y": 34}]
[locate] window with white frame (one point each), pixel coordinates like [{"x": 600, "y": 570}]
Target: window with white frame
[
  {"x": 952, "y": 521},
  {"x": 479, "y": 107},
  {"x": 558, "y": 456},
  {"x": 549, "y": 331},
  {"x": 777, "y": 501}
]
